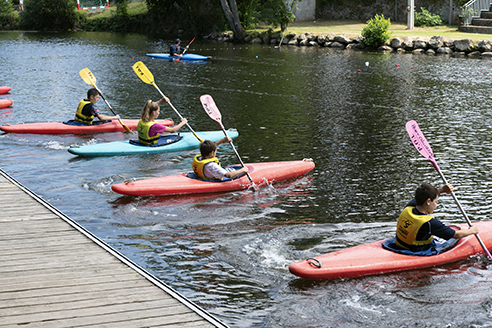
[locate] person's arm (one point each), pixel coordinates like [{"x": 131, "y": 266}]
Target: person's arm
[
  {"x": 163, "y": 99},
  {"x": 225, "y": 139},
  {"x": 172, "y": 129},
  {"x": 107, "y": 118},
  {"x": 235, "y": 173},
  {"x": 463, "y": 233},
  {"x": 446, "y": 189}
]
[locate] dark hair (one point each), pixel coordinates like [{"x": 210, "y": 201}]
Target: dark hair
[
  {"x": 92, "y": 92},
  {"x": 424, "y": 192},
  {"x": 207, "y": 147}
]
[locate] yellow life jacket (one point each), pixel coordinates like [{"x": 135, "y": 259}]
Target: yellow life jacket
[
  {"x": 81, "y": 117},
  {"x": 199, "y": 166},
  {"x": 143, "y": 129},
  {"x": 408, "y": 226}
]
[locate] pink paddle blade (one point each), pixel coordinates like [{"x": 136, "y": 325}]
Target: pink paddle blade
[
  {"x": 420, "y": 143},
  {"x": 211, "y": 109}
]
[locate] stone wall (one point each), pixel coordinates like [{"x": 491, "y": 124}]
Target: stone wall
[{"x": 432, "y": 46}]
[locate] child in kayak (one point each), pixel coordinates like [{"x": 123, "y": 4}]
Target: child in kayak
[
  {"x": 416, "y": 226},
  {"x": 86, "y": 111},
  {"x": 206, "y": 165},
  {"x": 175, "y": 49},
  {"x": 148, "y": 129}
]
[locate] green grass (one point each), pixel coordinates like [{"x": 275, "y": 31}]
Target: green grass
[{"x": 399, "y": 29}]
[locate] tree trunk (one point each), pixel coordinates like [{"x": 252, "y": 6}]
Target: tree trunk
[{"x": 232, "y": 17}]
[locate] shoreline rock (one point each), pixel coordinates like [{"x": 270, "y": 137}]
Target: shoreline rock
[{"x": 436, "y": 45}]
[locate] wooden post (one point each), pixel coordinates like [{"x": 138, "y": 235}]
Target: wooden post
[{"x": 450, "y": 12}]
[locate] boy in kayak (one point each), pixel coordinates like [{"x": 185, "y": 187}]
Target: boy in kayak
[
  {"x": 86, "y": 111},
  {"x": 175, "y": 49},
  {"x": 206, "y": 165},
  {"x": 148, "y": 129},
  {"x": 416, "y": 226}
]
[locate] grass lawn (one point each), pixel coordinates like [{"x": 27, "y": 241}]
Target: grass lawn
[{"x": 398, "y": 29}]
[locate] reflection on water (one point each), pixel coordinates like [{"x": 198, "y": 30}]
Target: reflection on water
[{"x": 230, "y": 252}]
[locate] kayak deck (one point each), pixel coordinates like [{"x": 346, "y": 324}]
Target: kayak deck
[
  {"x": 372, "y": 258},
  {"x": 261, "y": 173},
  {"x": 125, "y": 147},
  {"x": 62, "y": 128},
  {"x": 184, "y": 57}
]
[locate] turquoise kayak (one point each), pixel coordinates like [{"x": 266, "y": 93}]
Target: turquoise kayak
[
  {"x": 177, "y": 142},
  {"x": 184, "y": 57}
]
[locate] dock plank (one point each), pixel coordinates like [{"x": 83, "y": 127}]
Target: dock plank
[{"x": 55, "y": 273}]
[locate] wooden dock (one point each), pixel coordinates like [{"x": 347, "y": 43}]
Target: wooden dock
[{"x": 54, "y": 273}]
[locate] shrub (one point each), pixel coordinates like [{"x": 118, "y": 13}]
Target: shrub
[
  {"x": 425, "y": 18},
  {"x": 376, "y": 33}
]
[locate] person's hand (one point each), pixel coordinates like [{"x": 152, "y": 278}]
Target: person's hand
[
  {"x": 117, "y": 117},
  {"x": 447, "y": 189},
  {"x": 163, "y": 99},
  {"x": 184, "y": 120},
  {"x": 473, "y": 229}
]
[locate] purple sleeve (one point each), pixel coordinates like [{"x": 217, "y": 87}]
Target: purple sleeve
[{"x": 156, "y": 128}]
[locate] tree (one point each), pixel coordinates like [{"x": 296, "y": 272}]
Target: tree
[
  {"x": 278, "y": 12},
  {"x": 54, "y": 15},
  {"x": 232, "y": 16}
]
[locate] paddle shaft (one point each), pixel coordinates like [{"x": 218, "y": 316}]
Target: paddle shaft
[
  {"x": 181, "y": 117},
  {"x": 465, "y": 215},
  {"x": 111, "y": 108},
  {"x": 424, "y": 148},
  {"x": 235, "y": 151},
  {"x": 188, "y": 46}
]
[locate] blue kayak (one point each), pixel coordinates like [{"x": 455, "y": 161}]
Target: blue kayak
[
  {"x": 184, "y": 57},
  {"x": 172, "y": 142}
]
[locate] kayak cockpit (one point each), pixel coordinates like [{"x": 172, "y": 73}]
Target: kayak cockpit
[{"x": 163, "y": 141}]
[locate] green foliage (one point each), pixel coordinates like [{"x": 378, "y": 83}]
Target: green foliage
[
  {"x": 195, "y": 15},
  {"x": 9, "y": 19},
  {"x": 425, "y": 18},
  {"x": 121, "y": 7},
  {"x": 53, "y": 15},
  {"x": 376, "y": 33},
  {"x": 277, "y": 13}
]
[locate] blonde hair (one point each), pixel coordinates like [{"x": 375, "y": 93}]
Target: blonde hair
[{"x": 149, "y": 108}]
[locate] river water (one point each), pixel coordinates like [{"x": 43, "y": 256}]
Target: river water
[{"x": 229, "y": 253}]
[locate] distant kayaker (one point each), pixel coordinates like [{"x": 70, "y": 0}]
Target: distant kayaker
[
  {"x": 148, "y": 129},
  {"x": 175, "y": 49},
  {"x": 416, "y": 226},
  {"x": 86, "y": 111},
  {"x": 206, "y": 165}
]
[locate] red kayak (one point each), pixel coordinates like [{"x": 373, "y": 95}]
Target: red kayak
[
  {"x": 4, "y": 89},
  {"x": 261, "y": 173},
  {"x": 4, "y": 103},
  {"x": 60, "y": 128},
  {"x": 372, "y": 258}
]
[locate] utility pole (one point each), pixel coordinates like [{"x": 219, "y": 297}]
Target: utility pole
[{"x": 410, "y": 14}]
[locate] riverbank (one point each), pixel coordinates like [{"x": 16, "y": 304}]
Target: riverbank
[
  {"x": 346, "y": 35},
  {"x": 353, "y": 29}
]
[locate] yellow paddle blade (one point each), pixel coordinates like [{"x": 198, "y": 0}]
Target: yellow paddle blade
[
  {"x": 143, "y": 72},
  {"x": 88, "y": 77}
]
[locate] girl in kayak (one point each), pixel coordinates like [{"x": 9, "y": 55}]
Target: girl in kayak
[
  {"x": 206, "y": 165},
  {"x": 175, "y": 49},
  {"x": 86, "y": 111},
  {"x": 416, "y": 226},
  {"x": 148, "y": 129}
]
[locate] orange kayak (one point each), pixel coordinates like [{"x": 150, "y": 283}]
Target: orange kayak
[
  {"x": 4, "y": 89},
  {"x": 4, "y": 103},
  {"x": 180, "y": 184},
  {"x": 372, "y": 258},
  {"x": 60, "y": 128}
]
